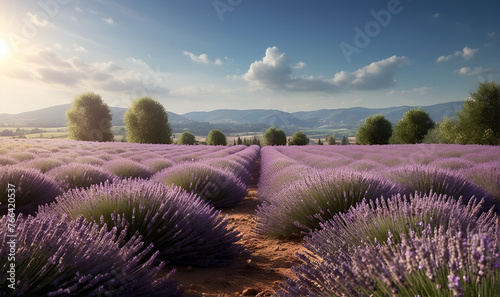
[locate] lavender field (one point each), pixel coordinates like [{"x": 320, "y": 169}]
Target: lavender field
[{"x": 113, "y": 219}]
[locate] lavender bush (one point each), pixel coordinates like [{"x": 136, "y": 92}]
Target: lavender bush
[
  {"x": 439, "y": 263},
  {"x": 487, "y": 175},
  {"x": 316, "y": 198},
  {"x": 158, "y": 164},
  {"x": 183, "y": 228},
  {"x": 42, "y": 164},
  {"x": 424, "y": 179},
  {"x": 232, "y": 166},
  {"x": 220, "y": 188},
  {"x": 128, "y": 169},
  {"x": 55, "y": 257},
  {"x": 32, "y": 189},
  {"x": 381, "y": 222},
  {"x": 73, "y": 176}
]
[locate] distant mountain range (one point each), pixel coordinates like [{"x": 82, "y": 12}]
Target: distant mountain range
[{"x": 245, "y": 120}]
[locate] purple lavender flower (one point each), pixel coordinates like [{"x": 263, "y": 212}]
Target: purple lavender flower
[
  {"x": 182, "y": 227},
  {"x": 80, "y": 176},
  {"x": 316, "y": 198},
  {"x": 32, "y": 189},
  {"x": 220, "y": 188},
  {"x": 55, "y": 257},
  {"x": 128, "y": 169}
]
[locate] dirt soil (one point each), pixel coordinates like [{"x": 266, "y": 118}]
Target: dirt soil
[{"x": 257, "y": 274}]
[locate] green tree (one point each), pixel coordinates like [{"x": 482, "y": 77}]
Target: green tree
[
  {"x": 89, "y": 119},
  {"x": 216, "y": 137},
  {"x": 239, "y": 140},
  {"x": 299, "y": 138},
  {"x": 330, "y": 140},
  {"x": 274, "y": 136},
  {"x": 320, "y": 142},
  {"x": 187, "y": 138},
  {"x": 376, "y": 130},
  {"x": 413, "y": 127},
  {"x": 345, "y": 140},
  {"x": 479, "y": 120},
  {"x": 146, "y": 121}
]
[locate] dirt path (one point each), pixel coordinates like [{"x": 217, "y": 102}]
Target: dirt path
[{"x": 258, "y": 274}]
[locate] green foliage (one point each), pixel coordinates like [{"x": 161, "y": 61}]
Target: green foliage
[
  {"x": 89, "y": 119},
  {"x": 479, "y": 119},
  {"x": 274, "y": 136},
  {"x": 187, "y": 138},
  {"x": 216, "y": 137},
  {"x": 345, "y": 140},
  {"x": 299, "y": 138},
  {"x": 413, "y": 127},
  {"x": 146, "y": 121},
  {"x": 376, "y": 130},
  {"x": 330, "y": 140}
]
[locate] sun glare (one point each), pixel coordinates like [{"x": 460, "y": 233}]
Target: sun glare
[{"x": 4, "y": 49}]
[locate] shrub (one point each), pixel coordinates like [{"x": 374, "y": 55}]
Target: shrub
[
  {"x": 187, "y": 138},
  {"x": 89, "y": 119},
  {"x": 90, "y": 160},
  {"x": 54, "y": 257},
  {"x": 7, "y": 160},
  {"x": 413, "y": 127},
  {"x": 80, "y": 176},
  {"x": 216, "y": 137},
  {"x": 487, "y": 175},
  {"x": 274, "y": 136},
  {"x": 274, "y": 182},
  {"x": 425, "y": 179},
  {"x": 146, "y": 121},
  {"x": 128, "y": 169},
  {"x": 232, "y": 166},
  {"x": 299, "y": 138},
  {"x": 376, "y": 130},
  {"x": 183, "y": 228},
  {"x": 316, "y": 198},
  {"x": 32, "y": 189},
  {"x": 379, "y": 222},
  {"x": 218, "y": 187},
  {"x": 158, "y": 164},
  {"x": 440, "y": 263},
  {"x": 42, "y": 164},
  {"x": 453, "y": 163}
]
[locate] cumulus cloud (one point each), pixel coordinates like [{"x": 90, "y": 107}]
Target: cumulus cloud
[
  {"x": 467, "y": 53},
  {"x": 474, "y": 71},
  {"x": 38, "y": 19},
  {"x": 274, "y": 71},
  {"x": 48, "y": 67},
  {"x": 109, "y": 21},
  {"x": 202, "y": 59}
]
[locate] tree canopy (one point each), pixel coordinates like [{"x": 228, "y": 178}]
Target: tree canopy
[
  {"x": 186, "y": 138},
  {"x": 89, "y": 119},
  {"x": 299, "y": 138},
  {"x": 376, "y": 130},
  {"x": 216, "y": 137},
  {"x": 146, "y": 121},
  {"x": 479, "y": 120},
  {"x": 274, "y": 136},
  {"x": 413, "y": 127}
]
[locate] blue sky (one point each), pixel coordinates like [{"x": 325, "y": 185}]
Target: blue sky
[{"x": 195, "y": 55}]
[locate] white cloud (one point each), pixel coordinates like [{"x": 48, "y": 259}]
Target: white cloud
[
  {"x": 78, "y": 9},
  {"x": 202, "y": 59},
  {"x": 474, "y": 71},
  {"x": 274, "y": 71},
  {"x": 467, "y": 53},
  {"x": 47, "y": 67},
  {"x": 299, "y": 65},
  {"x": 38, "y": 20},
  {"x": 79, "y": 48},
  {"x": 109, "y": 21}
]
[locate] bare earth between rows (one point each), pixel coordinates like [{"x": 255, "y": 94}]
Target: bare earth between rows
[{"x": 259, "y": 273}]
